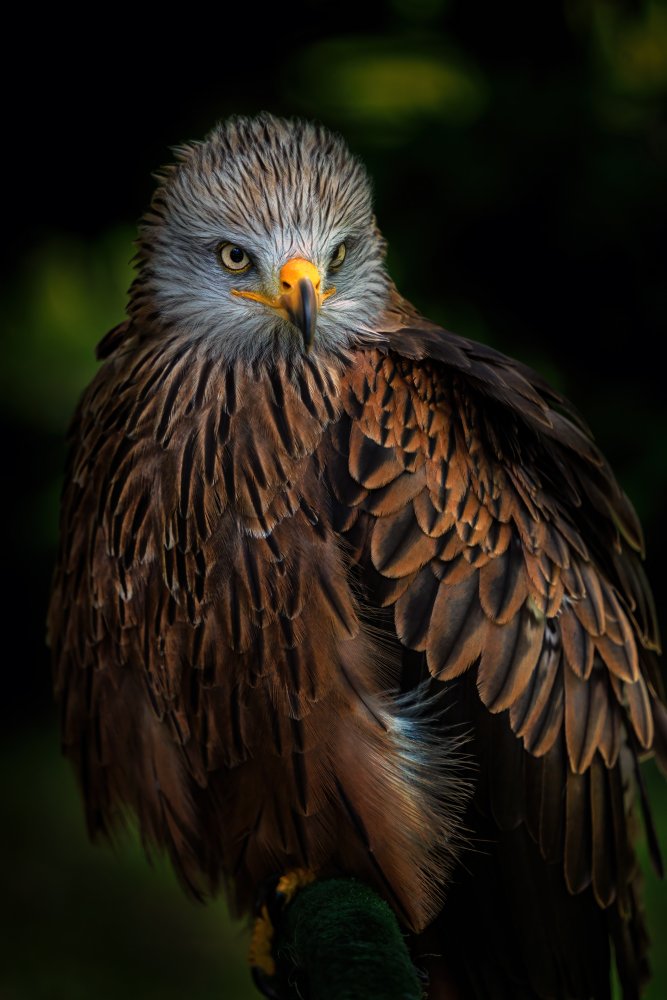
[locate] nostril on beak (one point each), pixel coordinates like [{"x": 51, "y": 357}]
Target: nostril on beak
[{"x": 294, "y": 275}]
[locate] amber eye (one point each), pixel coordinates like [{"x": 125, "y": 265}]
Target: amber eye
[
  {"x": 234, "y": 258},
  {"x": 338, "y": 256}
]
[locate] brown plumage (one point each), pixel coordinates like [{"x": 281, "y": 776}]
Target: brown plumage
[{"x": 290, "y": 581}]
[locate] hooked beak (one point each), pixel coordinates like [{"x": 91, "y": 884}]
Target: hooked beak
[
  {"x": 300, "y": 298},
  {"x": 300, "y": 281}
]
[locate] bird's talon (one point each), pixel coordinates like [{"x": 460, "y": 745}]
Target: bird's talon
[
  {"x": 273, "y": 897},
  {"x": 260, "y": 953},
  {"x": 291, "y": 882}
]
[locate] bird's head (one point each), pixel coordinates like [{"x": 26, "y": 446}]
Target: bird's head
[{"x": 262, "y": 239}]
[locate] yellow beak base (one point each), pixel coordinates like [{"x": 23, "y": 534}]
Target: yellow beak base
[{"x": 300, "y": 297}]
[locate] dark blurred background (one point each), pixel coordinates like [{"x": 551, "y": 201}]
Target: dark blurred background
[{"x": 519, "y": 156}]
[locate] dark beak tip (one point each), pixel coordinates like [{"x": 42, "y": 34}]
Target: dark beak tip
[{"x": 305, "y": 314}]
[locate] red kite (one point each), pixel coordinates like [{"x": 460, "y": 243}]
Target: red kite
[{"x": 338, "y": 589}]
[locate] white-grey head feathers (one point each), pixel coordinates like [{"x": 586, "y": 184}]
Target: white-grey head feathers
[{"x": 279, "y": 189}]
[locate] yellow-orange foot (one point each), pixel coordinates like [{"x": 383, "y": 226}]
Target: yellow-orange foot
[
  {"x": 289, "y": 884},
  {"x": 273, "y": 898}
]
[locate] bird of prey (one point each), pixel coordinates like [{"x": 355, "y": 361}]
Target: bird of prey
[{"x": 340, "y": 590}]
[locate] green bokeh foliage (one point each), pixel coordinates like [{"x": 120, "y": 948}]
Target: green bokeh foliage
[{"x": 452, "y": 137}]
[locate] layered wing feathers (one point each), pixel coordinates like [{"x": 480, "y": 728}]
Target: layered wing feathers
[
  {"x": 481, "y": 528},
  {"x": 484, "y": 516}
]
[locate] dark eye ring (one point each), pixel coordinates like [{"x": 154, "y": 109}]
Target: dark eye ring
[
  {"x": 338, "y": 256},
  {"x": 233, "y": 257}
]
